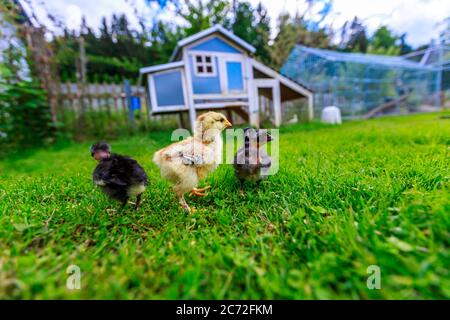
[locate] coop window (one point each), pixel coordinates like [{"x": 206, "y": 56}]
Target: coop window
[{"x": 204, "y": 66}]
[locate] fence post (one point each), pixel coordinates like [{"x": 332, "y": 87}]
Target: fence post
[
  {"x": 82, "y": 72},
  {"x": 127, "y": 89}
]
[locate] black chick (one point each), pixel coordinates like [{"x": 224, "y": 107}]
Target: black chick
[
  {"x": 250, "y": 162},
  {"x": 120, "y": 177}
]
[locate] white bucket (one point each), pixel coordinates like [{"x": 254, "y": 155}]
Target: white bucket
[{"x": 331, "y": 115}]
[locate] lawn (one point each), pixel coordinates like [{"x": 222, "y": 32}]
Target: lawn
[{"x": 365, "y": 193}]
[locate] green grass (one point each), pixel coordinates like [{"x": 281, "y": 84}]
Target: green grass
[{"x": 365, "y": 193}]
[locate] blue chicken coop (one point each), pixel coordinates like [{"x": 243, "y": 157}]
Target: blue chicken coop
[{"x": 214, "y": 70}]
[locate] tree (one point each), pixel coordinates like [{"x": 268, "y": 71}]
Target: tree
[
  {"x": 253, "y": 25},
  {"x": 164, "y": 39},
  {"x": 292, "y": 32},
  {"x": 201, "y": 16},
  {"x": 284, "y": 41},
  {"x": 244, "y": 22},
  {"x": 27, "y": 100},
  {"x": 405, "y": 48},
  {"x": 354, "y": 36},
  {"x": 25, "y": 115},
  {"x": 118, "y": 52},
  {"x": 384, "y": 42},
  {"x": 262, "y": 28}
]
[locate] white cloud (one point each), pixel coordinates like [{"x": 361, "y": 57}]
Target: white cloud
[
  {"x": 71, "y": 11},
  {"x": 418, "y": 18},
  {"x": 73, "y": 16}
]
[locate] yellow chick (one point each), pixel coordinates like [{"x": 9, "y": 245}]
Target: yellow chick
[{"x": 189, "y": 161}]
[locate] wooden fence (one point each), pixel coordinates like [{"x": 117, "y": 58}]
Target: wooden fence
[
  {"x": 80, "y": 108},
  {"x": 111, "y": 97}
]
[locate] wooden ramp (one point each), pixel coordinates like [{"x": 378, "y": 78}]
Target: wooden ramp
[{"x": 386, "y": 106}]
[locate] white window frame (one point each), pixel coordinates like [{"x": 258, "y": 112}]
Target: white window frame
[
  {"x": 153, "y": 99},
  {"x": 224, "y": 74},
  {"x": 204, "y": 64}
]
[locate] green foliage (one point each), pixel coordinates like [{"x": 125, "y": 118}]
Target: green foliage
[
  {"x": 365, "y": 193},
  {"x": 284, "y": 41},
  {"x": 354, "y": 36},
  {"x": 201, "y": 15},
  {"x": 354, "y": 39},
  {"x": 165, "y": 38},
  {"x": 384, "y": 42},
  {"x": 244, "y": 23},
  {"x": 262, "y": 37},
  {"x": 114, "y": 67},
  {"x": 105, "y": 122},
  {"x": 294, "y": 31},
  {"x": 25, "y": 114},
  {"x": 24, "y": 111},
  {"x": 117, "y": 50},
  {"x": 253, "y": 25}
]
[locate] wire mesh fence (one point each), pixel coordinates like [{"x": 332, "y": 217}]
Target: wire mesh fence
[{"x": 362, "y": 85}]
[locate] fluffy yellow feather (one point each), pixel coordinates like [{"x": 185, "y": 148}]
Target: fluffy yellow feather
[{"x": 187, "y": 162}]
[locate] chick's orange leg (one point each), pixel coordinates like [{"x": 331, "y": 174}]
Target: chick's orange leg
[
  {"x": 202, "y": 189},
  {"x": 199, "y": 191},
  {"x": 194, "y": 192}
]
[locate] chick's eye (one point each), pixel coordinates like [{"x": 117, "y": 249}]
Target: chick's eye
[{"x": 221, "y": 120}]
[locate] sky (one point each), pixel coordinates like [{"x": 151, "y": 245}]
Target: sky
[{"x": 420, "y": 19}]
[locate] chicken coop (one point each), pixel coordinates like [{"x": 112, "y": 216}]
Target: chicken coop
[
  {"x": 215, "y": 70},
  {"x": 365, "y": 85}
]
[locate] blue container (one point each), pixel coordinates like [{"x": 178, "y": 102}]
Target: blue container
[{"x": 135, "y": 103}]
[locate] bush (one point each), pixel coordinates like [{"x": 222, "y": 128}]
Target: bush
[{"x": 25, "y": 115}]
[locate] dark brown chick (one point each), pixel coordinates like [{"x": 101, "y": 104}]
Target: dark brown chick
[{"x": 120, "y": 177}]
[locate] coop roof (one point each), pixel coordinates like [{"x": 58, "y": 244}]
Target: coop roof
[
  {"x": 290, "y": 83},
  {"x": 161, "y": 67},
  {"x": 393, "y": 61},
  {"x": 214, "y": 29}
]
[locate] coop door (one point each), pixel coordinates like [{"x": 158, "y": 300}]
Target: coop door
[
  {"x": 269, "y": 104},
  {"x": 233, "y": 70},
  {"x": 266, "y": 108}
]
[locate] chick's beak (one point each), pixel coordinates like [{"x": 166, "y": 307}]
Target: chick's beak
[
  {"x": 227, "y": 123},
  {"x": 99, "y": 155}
]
